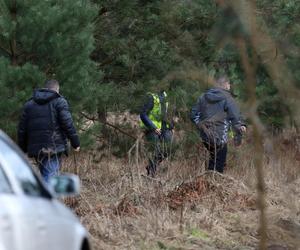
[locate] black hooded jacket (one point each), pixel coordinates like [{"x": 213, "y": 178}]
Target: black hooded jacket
[
  {"x": 214, "y": 112},
  {"x": 45, "y": 124}
]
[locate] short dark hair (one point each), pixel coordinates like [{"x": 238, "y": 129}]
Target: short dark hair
[
  {"x": 51, "y": 84},
  {"x": 220, "y": 80}
]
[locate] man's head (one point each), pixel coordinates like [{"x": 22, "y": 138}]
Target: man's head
[
  {"x": 223, "y": 82},
  {"x": 52, "y": 85}
]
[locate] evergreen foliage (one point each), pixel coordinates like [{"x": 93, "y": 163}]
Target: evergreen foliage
[
  {"x": 40, "y": 40},
  {"x": 109, "y": 54},
  {"x": 143, "y": 45}
]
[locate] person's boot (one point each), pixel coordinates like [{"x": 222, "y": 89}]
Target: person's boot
[
  {"x": 148, "y": 170},
  {"x": 151, "y": 169}
]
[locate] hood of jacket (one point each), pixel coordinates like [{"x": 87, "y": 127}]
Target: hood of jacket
[
  {"x": 215, "y": 95},
  {"x": 43, "y": 96}
]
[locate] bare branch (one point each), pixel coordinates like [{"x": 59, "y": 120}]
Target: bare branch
[{"x": 92, "y": 118}]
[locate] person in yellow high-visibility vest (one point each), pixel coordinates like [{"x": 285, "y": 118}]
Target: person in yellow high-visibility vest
[{"x": 157, "y": 130}]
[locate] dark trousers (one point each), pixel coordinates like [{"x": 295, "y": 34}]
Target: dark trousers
[
  {"x": 217, "y": 156},
  {"x": 158, "y": 148}
]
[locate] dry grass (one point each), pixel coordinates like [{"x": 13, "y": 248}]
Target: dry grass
[{"x": 186, "y": 207}]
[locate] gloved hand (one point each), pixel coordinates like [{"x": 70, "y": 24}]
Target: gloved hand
[
  {"x": 237, "y": 138},
  {"x": 243, "y": 129}
]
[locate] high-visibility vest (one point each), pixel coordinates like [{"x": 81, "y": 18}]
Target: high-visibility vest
[{"x": 156, "y": 115}]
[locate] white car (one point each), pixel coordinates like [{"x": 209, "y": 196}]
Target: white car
[{"x": 31, "y": 218}]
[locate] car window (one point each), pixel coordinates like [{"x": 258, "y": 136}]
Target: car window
[
  {"x": 22, "y": 171},
  {"x": 4, "y": 184}
]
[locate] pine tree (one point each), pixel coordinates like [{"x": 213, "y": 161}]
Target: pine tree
[
  {"x": 40, "y": 40},
  {"x": 141, "y": 43}
]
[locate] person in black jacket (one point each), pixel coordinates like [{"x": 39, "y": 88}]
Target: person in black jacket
[
  {"x": 214, "y": 113},
  {"x": 45, "y": 125}
]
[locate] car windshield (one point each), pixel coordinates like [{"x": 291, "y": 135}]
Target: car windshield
[{"x": 4, "y": 184}]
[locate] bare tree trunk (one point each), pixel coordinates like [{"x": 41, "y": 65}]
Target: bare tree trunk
[
  {"x": 102, "y": 118},
  {"x": 13, "y": 42},
  {"x": 258, "y": 139}
]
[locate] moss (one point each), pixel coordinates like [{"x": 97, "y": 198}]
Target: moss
[{"x": 200, "y": 234}]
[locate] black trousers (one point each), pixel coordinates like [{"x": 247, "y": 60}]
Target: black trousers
[
  {"x": 158, "y": 148},
  {"x": 217, "y": 156}
]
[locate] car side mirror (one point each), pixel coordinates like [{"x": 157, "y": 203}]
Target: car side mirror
[{"x": 65, "y": 185}]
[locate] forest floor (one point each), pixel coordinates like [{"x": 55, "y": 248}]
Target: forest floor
[{"x": 186, "y": 207}]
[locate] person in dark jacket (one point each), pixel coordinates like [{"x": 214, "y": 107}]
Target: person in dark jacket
[
  {"x": 214, "y": 113},
  {"x": 45, "y": 125},
  {"x": 157, "y": 130}
]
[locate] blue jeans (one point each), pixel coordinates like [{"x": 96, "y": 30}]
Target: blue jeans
[{"x": 49, "y": 165}]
